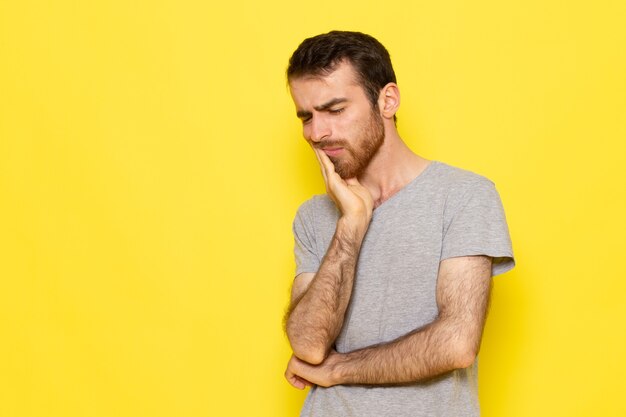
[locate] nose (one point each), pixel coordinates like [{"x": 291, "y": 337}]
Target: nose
[{"x": 318, "y": 129}]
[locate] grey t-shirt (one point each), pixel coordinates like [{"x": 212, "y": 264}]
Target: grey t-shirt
[{"x": 444, "y": 212}]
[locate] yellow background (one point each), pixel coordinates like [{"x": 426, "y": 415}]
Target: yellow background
[{"x": 151, "y": 164}]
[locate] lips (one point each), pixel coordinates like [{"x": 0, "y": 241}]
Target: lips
[{"x": 332, "y": 151}]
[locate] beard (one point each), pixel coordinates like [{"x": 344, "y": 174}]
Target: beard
[{"x": 355, "y": 159}]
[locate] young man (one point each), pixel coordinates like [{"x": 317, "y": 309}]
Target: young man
[{"x": 394, "y": 262}]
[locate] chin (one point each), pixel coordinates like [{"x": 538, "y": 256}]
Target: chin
[{"x": 349, "y": 172}]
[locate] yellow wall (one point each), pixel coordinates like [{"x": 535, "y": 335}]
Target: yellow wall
[{"x": 151, "y": 164}]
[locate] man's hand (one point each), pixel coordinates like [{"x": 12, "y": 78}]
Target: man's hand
[
  {"x": 353, "y": 200},
  {"x": 292, "y": 377},
  {"x": 301, "y": 374}
]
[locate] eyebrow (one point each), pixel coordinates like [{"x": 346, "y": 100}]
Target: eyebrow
[{"x": 303, "y": 113}]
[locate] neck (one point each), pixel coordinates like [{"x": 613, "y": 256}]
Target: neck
[{"x": 392, "y": 168}]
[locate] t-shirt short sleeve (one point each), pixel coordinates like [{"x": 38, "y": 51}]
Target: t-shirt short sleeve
[
  {"x": 306, "y": 257},
  {"x": 475, "y": 224}
]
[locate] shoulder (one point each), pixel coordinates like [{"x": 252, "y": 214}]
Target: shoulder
[
  {"x": 458, "y": 179},
  {"x": 316, "y": 218},
  {"x": 459, "y": 186},
  {"x": 317, "y": 206}
]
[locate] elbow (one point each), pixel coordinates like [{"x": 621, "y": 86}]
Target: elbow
[
  {"x": 465, "y": 355},
  {"x": 466, "y": 360},
  {"x": 313, "y": 355}
]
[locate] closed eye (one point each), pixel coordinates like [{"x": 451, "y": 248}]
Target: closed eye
[{"x": 336, "y": 111}]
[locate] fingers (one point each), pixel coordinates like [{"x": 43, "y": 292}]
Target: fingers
[
  {"x": 295, "y": 380},
  {"x": 303, "y": 382},
  {"x": 326, "y": 164},
  {"x": 349, "y": 195},
  {"x": 325, "y": 160},
  {"x": 306, "y": 382}
]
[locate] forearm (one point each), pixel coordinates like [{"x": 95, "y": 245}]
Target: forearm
[
  {"x": 315, "y": 318},
  {"x": 435, "y": 349},
  {"x": 450, "y": 342}
]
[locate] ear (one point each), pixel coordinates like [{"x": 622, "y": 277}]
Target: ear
[{"x": 389, "y": 100}]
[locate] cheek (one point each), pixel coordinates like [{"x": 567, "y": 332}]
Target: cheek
[
  {"x": 354, "y": 122},
  {"x": 344, "y": 129}
]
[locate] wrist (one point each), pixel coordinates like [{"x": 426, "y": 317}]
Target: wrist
[
  {"x": 354, "y": 226},
  {"x": 339, "y": 370}
]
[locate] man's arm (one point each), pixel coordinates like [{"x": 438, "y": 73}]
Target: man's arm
[
  {"x": 450, "y": 342},
  {"x": 317, "y": 310},
  {"x": 315, "y": 316}
]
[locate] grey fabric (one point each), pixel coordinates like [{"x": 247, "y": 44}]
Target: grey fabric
[{"x": 444, "y": 212}]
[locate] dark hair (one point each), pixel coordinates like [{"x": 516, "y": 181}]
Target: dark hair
[{"x": 321, "y": 54}]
